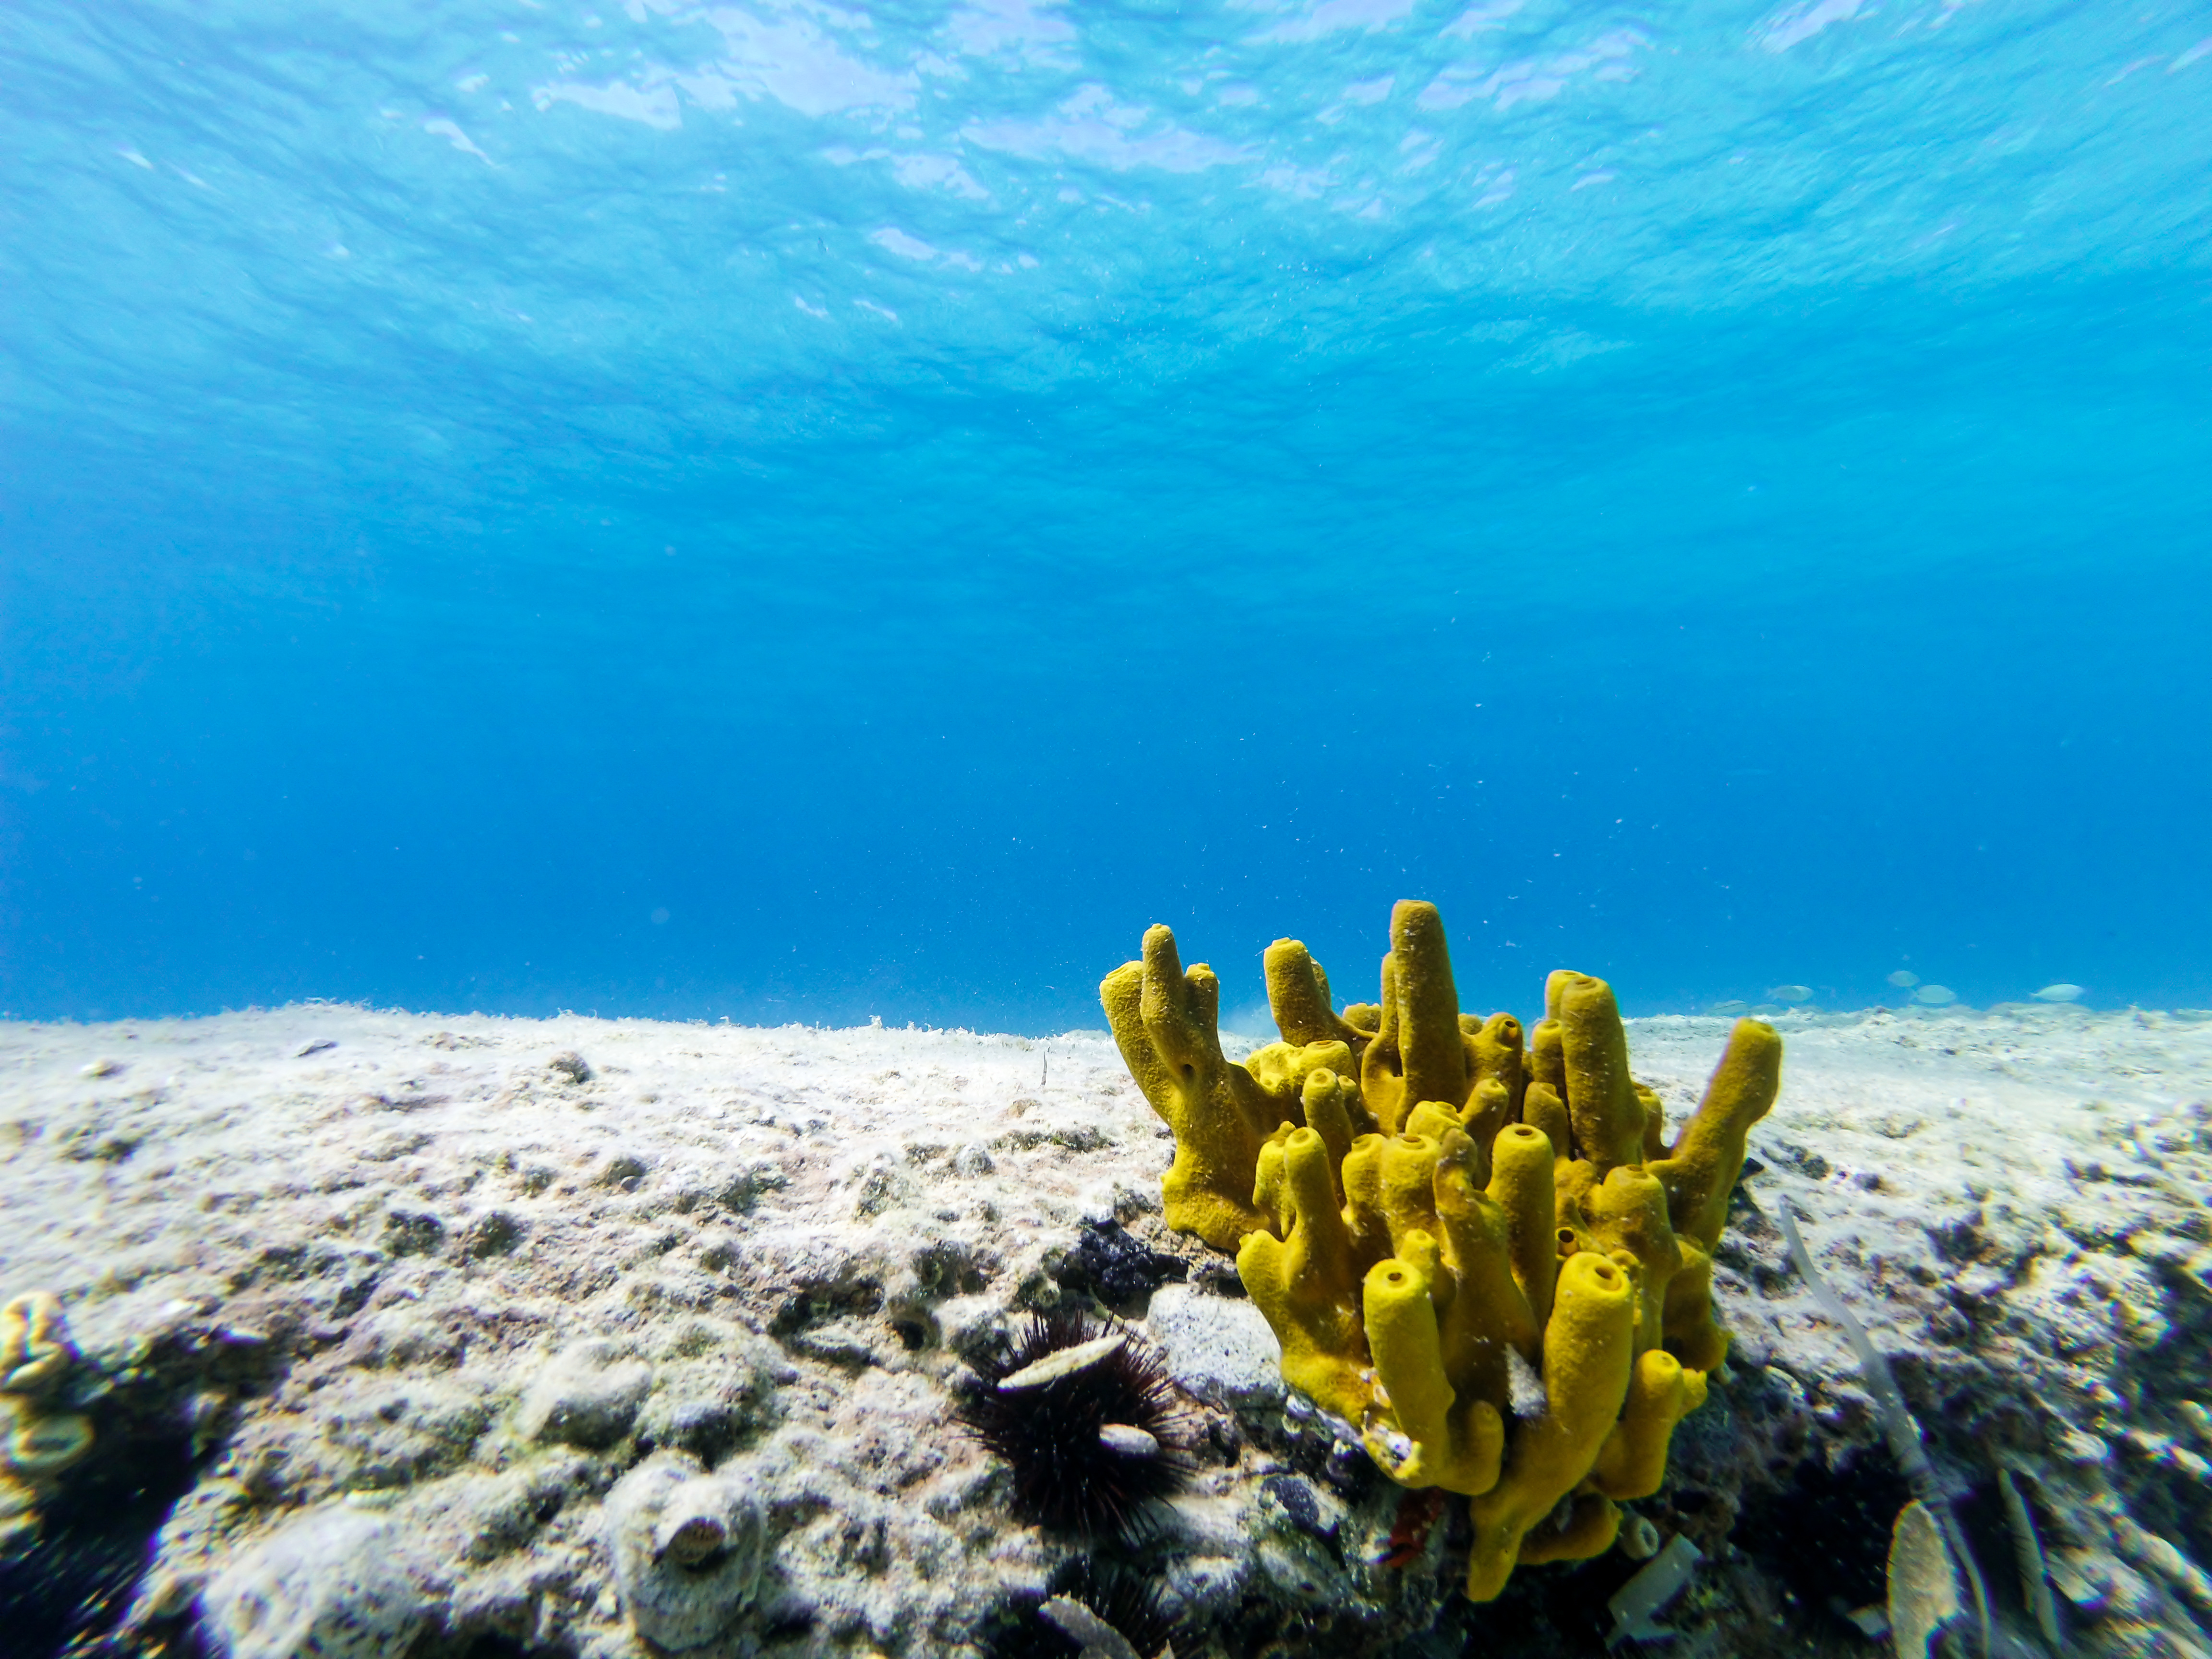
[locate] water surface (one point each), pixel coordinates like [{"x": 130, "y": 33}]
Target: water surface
[{"x": 794, "y": 512}]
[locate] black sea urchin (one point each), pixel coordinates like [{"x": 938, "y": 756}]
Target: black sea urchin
[{"x": 1083, "y": 1412}]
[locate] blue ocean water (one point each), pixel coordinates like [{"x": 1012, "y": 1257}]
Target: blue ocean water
[{"x": 792, "y": 511}]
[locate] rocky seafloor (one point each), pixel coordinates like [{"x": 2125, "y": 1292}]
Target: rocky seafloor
[{"x": 397, "y": 1333}]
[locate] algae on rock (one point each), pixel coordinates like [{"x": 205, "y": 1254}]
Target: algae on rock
[{"x": 1422, "y": 1203}]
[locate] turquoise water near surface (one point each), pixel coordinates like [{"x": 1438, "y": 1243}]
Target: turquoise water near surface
[{"x": 793, "y": 512}]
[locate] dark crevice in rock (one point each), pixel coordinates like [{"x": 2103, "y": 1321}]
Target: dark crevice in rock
[
  {"x": 66, "y": 1592},
  {"x": 1824, "y": 1534}
]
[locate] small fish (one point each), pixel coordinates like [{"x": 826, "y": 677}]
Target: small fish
[
  {"x": 1904, "y": 979},
  {"x": 1791, "y": 994},
  {"x": 1727, "y": 1008},
  {"x": 2059, "y": 994},
  {"x": 1935, "y": 996}
]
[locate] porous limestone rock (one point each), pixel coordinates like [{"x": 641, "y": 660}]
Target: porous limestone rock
[
  {"x": 328, "y": 1585},
  {"x": 2009, "y": 1199},
  {"x": 587, "y": 1395},
  {"x": 1217, "y": 1347}
]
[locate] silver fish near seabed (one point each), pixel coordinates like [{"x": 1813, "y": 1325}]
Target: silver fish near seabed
[{"x": 2059, "y": 993}]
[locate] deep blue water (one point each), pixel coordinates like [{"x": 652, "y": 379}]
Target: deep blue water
[{"x": 791, "y": 512}]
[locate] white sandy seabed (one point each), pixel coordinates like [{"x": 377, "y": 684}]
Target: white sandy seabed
[{"x": 421, "y": 1290}]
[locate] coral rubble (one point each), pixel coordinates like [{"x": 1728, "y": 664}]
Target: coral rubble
[{"x": 1482, "y": 1250}]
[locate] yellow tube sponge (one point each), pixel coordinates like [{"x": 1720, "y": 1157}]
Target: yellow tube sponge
[
  {"x": 1592, "y": 1523},
  {"x": 1298, "y": 996},
  {"x": 1488, "y": 1110},
  {"x": 1420, "y": 1053},
  {"x": 1708, "y": 1156},
  {"x": 1497, "y": 1047},
  {"x": 1307, "y": 1286},
  {"x": 1362, "y": 1171},
  {"x": 1521, "y": 1166},
  {"x": 1587, "y": 1354},
  {"x": 1486, "y": 1312},
  {"x": 1661, "y": 1393},
  {"x": 1627, "y": 1212},
  {"x": 1167, "y": 1024},
  {"x": 1430, "y": 1118},
  {"x": 1408, "y": 1188},
  {"x": 1425, "y": 1205},
  {"x": 1328, "y": 1100},
  {"x": 1601, "y": 1100},
  {"x": 1431, "y": 1438},
  {"x": 1547, "y": 1054},
  {"x": 1542, "y": 1109},
  {"x": 1654, "y": 1123},
  {"x": 1280, "y": 1072},
  {"x": 1692, "y": 1335}
]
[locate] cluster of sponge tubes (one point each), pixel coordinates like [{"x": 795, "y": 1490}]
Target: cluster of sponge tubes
[{"x": 1437, "y": 1215}]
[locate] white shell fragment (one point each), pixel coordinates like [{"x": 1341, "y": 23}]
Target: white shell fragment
[
  {"x": 1644, "y": 1597},
  {"x": 1871, "y": 1621},
  {"x": 1128, "y": 1440},
  {"x": 1528, "y": 1399},
  {"x": 1063, "y": 1362}
]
